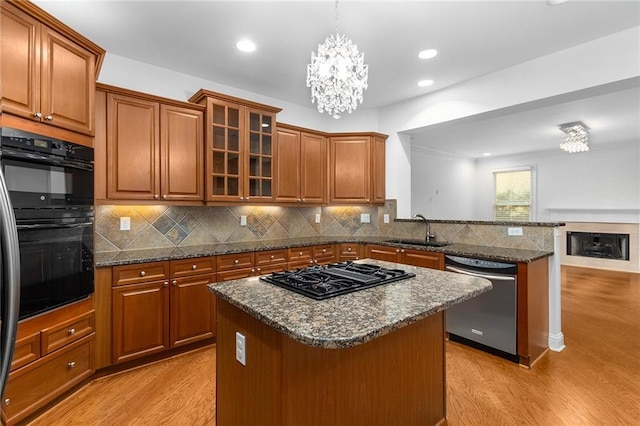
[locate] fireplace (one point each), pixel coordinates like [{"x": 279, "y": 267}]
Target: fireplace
[{"x": 598, "y": 244}]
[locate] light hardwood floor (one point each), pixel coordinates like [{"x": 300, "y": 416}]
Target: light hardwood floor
[{"x": 594, "y": 381}]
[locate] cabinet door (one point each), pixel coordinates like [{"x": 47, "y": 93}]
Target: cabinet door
[
  {"x": 192, "y": 310},
  {"x": 224, "y": 165},
  {"x": 287, "y": 176},
  {"x": 378, "y": 170},
  {"x": 133, "y": 161},
  {"x": 421, "y": 258},
  {"x": 181, "y": 152},
  {"x": 313, "y": 168},
  {"x": 140, "y": 320},
  {"x": 20, "y": 62},
  {"x": 390, "y": 254},
  {"x": 67, "y": 83},
  {"x": 350, "y": 251},
  {"x": 350, "y": 160},
  {"x": 259, "y": 156}
]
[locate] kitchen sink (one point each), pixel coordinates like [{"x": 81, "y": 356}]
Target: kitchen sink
[{"x": 421, "y": 243}]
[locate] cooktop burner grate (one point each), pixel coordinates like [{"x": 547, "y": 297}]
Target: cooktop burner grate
[{"x": 323, "y": 282}]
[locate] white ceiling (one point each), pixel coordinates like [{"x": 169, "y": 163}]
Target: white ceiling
[{"x": 473, "y": 38}]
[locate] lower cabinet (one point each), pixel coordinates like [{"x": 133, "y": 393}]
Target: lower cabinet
[
  {"x": 425, "y": 259},
  {"x": 151, "y": 317},
  {"x": 54, "y": 352},
  {"x": 301, "y": 257},
  {"x": 350, "y": 251}
]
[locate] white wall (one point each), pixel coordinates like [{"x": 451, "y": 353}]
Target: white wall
[
  {"x": 602, "y": 184},
  {"x": 605, "y": 60},
  {"x": 442, "y": 185},
  {"x": 135, "y": 75}
]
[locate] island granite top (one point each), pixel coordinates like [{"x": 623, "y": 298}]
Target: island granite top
[
  {"x": 125, "y": 257},
  {"x": 353, "y": 318}
]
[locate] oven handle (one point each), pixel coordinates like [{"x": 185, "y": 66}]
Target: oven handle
[
  {"x": 10, "y": 258},
  {"x": 480, "y": 274},
  {"x": 54, "y": 225},
  {"x": 44, "y": 159}
]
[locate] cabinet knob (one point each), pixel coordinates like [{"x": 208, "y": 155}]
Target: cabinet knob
[
  {"x": 71, "y": 364},
  {"x": 299, "y": 200},
  {"x": 7, "y": 401},
  {"x": 71, "y": 331},
  {"x": 253, "y": 270},
  {"x": 367, "y": 200},
  {"x": 48, "y": 117},
  {"x": 235, "y": 262},
  {"x": 311, "y": 262},
  {"x": 142, "y": 273},
  {"x": 272, "y": 257},
  {"x": 166, "y": 284},
  {"x": 357, "y": 258},
  {"x": 258, "y": 269},
  {"x": 174, "y": 282},
  {"x": 402, "y": 251},
  {"x": 194, "y": 267},
  {"x": 397, "y": 250},
  {"x": 164, "y": 197},
  {"x": 37, "y": 115},
  {"x": 303, "y": 200},
  {"x": 156, "y": 196},
  {"x": 324, "y": 250},
  {"x": 349, "y": 249},
  {"x": 241, "y": 198},
  {"x": 300, "y": 253}
]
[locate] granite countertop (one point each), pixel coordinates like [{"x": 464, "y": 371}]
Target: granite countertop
[
  {"x": 353, "y": 318},
  {"x": 104, "y": 259}
]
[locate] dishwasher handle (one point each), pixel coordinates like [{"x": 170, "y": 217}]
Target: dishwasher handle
[{"x": 480, "y": 274}]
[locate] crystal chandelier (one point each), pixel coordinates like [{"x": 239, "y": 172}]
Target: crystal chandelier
[
  {"x": 337, "y": 74},
  {"x": 575, "y": 138}
]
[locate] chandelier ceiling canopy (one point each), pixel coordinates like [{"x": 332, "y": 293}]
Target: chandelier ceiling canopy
[{"x": 337, "y": 74}]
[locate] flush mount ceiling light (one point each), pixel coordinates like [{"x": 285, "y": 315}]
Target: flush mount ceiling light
[
  {"x": 425, "y": 83},
  {"x": 575, "y": 138},
  {"x": 427, "y": 53},
  {"x": 337, "y": 74},
  {"x": 246, "y": 45}
]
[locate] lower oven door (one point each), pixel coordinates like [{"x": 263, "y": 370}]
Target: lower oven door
[
  {"x": 56, "y": 262},
  {"x": 490, "y": 319}
]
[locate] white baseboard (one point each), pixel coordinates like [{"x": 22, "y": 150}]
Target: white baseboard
[{"x": 556, "y": 342}]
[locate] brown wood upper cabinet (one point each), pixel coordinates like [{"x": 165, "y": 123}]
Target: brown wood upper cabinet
[
  {"x": 154, "y": 147},
  {"x": 48, "y": 70},
  {"x": 357, "y": 168},
  {"x": 239, "y": 151},
  {"x": 301, "y": 166}
]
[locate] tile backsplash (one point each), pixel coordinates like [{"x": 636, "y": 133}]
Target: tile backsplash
[{"x": 177, "y": 226}]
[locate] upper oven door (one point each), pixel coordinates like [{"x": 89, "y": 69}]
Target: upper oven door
[{"x": 37, "y": 180}]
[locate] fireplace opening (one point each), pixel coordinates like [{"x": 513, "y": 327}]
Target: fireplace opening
[{"x": 598, "y": 244}]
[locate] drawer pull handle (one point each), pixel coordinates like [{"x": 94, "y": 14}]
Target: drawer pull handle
[
  {"x": 194, "y": 267},
  {"x": 272, "y": 257},
  {"x": 300, "y": 253},
  {"x": 349, "y": 249},
  {"x": 143, "y": 273},
  {"x": 236, "y": 261},
  {"x": 7, "y": 401},
  {"x": 71, "y": 364},
  {"x": 324, "y": 250},
  {"x": 72, "y": 331}
]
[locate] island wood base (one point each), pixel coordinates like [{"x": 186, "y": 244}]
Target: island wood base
[{"x": 398, "y": 378}]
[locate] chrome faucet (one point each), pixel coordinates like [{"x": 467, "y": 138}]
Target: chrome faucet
[{"x": 429, "y": 236}]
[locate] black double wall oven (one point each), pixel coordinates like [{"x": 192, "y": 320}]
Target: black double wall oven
[{"x": 50, "y": 186}]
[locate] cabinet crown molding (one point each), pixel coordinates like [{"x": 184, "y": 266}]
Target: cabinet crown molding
[{"x": 201, "y": 95}]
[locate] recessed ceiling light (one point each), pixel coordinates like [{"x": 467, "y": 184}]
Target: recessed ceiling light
[
  {"x": 486, "y": 154},
  {"x": 246, "y": 45},
  {"x": 427, "y": 54},
  {"x": 425, "y": 83},
  {"x": 556, "y": 2}
]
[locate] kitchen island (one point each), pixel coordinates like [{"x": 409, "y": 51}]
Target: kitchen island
[{"x": 373, "y": 357}]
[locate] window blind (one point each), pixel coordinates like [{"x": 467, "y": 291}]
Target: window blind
[{"x": 513, "y": 195}]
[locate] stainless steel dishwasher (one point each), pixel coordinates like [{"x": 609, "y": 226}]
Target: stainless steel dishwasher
[{"x": 489, "y": 321}]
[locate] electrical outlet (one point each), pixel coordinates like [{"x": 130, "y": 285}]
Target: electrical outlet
[
  {"x": 241, "y": 349},
  {"x": 125, "y": 223},
  {"x": 243, "y": 220},
  {"x": 317, "y": 217},
  {"x": 514, "y": 232},
  {"x": 365, "y": 218},
  {"x": 386, "y": 218}
]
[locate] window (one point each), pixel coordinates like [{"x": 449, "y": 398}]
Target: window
[{"x": 513, "y": 195}]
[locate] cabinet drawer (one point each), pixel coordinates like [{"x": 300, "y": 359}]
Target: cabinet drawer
[
  {"x": 36, "y": 384},
  {"x": 323, "y": 251},
  {"x": 141, "y": 272},
  {"x": 234, "y": 261},
  {"x": 234, "y": 274},
  {"x": 62, "y": 334},
  {"x": 271, "y": 257},
  {"x": 187, "y": 267},
  {"x": 350, "y": 251},
  {"x": 26, "y": 350},
  {"x": 298, "y": 254}
]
